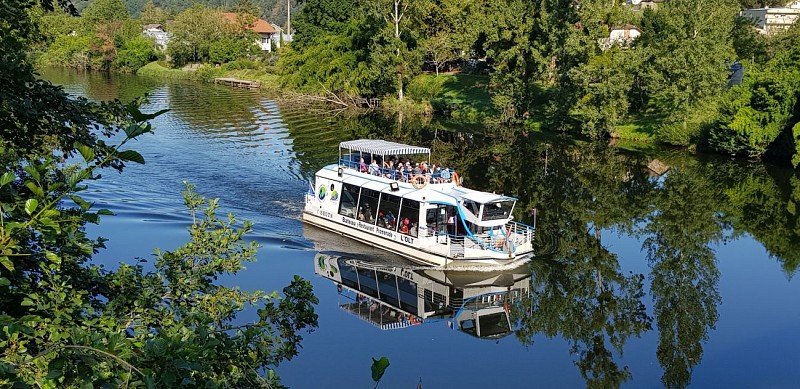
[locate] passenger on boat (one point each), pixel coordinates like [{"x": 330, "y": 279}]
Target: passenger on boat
[
  {"x": 445, "y": 175},
  {"x": 362, "y": 166},
  {"x": 374, "y": 169},
  {"x": 404, "y": 227}
]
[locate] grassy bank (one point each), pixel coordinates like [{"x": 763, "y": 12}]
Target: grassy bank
[
  {"x": 461, "y": 96},
  {"x": 269, "y": 81}
]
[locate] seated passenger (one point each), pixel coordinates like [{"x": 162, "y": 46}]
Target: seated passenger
[
  {"x": 404, "y": 227},
  {"x": 362, "y": 166},
  {"x": 445, "y": 175},
  {"x": 374, "y": 169}
]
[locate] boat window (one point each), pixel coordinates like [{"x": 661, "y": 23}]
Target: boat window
[
  {"x": 408, "y": 295},
  {"x": 497, "y": 210},
  {"x": 347, "y": 206},
  {"x": 387, "y": 214},
  {"x": 410, "y": 211},
  {"x": 493, "y": 324},
  {"x": 348, "y": 274},
  {"x": 473, "y": 207},
  {"x": 368, "y": 204},
  {"x": 387, "y": 287},
  {"x": 367, "y": 282},
  {"x": 443, "y": 218}
]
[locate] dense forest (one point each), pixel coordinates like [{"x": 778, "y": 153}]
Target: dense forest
[{"x": 547, "y": 63}]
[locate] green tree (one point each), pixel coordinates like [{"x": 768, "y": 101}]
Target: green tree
[
  {"x": 65, "y": 322},
  {"x": 193, "y": 32},
  {"x": 604, "y": 85},
  {"x": 689, "y": 52},
  {"x": 135, "y": 53},
  {"x": 152, "y": 14},
  {"x": 105, "y": 11},
  {"x": 756, "y": 112}
]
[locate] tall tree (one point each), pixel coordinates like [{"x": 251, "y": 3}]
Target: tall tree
[
  {"x": 689, "y": 52},
  {"x": 152, "y": 14},
  {"x": 193, "y": 32}
]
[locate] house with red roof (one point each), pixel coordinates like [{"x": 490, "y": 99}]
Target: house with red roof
[{"x": 267, "y": 33}]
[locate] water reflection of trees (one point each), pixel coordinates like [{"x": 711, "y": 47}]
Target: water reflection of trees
[
  {"x": 684, "y": 274},
  {"x": 584, "y": 190}
]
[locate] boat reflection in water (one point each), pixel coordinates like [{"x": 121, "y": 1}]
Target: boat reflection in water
[{"x": 394, "y": 295}]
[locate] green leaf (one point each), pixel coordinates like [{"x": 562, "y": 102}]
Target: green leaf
[
  {"x": 52, "y": 257},
  {"x": 378, "y": 368},
  {"x": 133, "y": 130},
  {"x": 85, "y": 205},
  {"x": 35, "y": 188},
  {"x": 33, "y": 172},
  {"x": 105, "y": 212},
  {"x": 130, "y": 155},
  {"x": 86, "y": 152},
  {"x": 55, "y": 369},
  {"x": 7, "y": 263},
  {"x": 6, "y": 178},
  {"x": 26, "y": 302},
  {"x": 4, "y": 281},
  {"x": 31, "y": 206}
]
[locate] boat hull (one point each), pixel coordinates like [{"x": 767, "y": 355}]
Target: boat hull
[{"x": 409, "y": 250}]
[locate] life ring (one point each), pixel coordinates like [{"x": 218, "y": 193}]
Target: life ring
[
  {"x": 415, "y": 180},
  {"x": 456, "y": 179}
]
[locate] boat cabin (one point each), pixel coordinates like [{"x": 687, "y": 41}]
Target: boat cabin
[{"x": 379, "y": 194}]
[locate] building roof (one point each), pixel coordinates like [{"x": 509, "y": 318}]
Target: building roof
[{"x": 260, "y": 26}]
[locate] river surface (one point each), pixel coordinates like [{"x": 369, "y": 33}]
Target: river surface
[{"x": 688, "y": 278}]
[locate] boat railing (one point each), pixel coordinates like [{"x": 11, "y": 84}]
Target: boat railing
[
  {"x": 516, "y": 235},
  {"x": 439, "y": 177}
]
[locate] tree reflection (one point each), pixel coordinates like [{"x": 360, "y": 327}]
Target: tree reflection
[
  {"x": 684, "y": 274},
  {"x": 585, "y": 190},
  {"x": 581, "y": 294}
]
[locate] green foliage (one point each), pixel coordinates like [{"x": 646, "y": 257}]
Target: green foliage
[
  {"x": 72, "y": 51},
  {"x": 65, "y": 322},
  {"x": 152, "y": 14},
  {"x": 105, "y": 11},
  {"x": 689, "y": 49},
  {"x": 135, "y": 53},
  {"x": 193, "y": 32},
  {"x": 229, "y": 48},
  {"x": 604, "y": 86},
  {"x": 379, "y": 367},
  {"x": 756, "y": 112}
]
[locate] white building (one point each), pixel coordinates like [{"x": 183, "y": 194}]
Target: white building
[
  {"x": 621, "y": 35},
  {"x": 156, "y": 31},
  {"x": 771, "y": 20},
  {"x": 267, "y": 34}
]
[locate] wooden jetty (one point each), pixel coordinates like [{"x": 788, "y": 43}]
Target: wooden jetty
[{"x": 235, "y": 82}]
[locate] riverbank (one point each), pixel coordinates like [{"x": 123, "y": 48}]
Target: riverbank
[{"x": 266, "y": 79}]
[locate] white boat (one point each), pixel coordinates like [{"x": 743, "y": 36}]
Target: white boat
[{"x": 426, "y": 217}]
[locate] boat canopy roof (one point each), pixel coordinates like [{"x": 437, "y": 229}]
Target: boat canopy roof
[
  {"x": 480, "y": 197},
  {"x": 382, "y": 147}
]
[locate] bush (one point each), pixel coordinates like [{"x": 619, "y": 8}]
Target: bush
[
  {"x": 135, "y": 53},
  {"x": 241, "y": 64},
  {"x": 229, "y": 49},
  {"x": 207, "y": 72},
  {"x": 72, "y": 51}
]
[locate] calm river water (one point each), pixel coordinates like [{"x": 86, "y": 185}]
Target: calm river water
[{"x": 684, "y": 279}]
